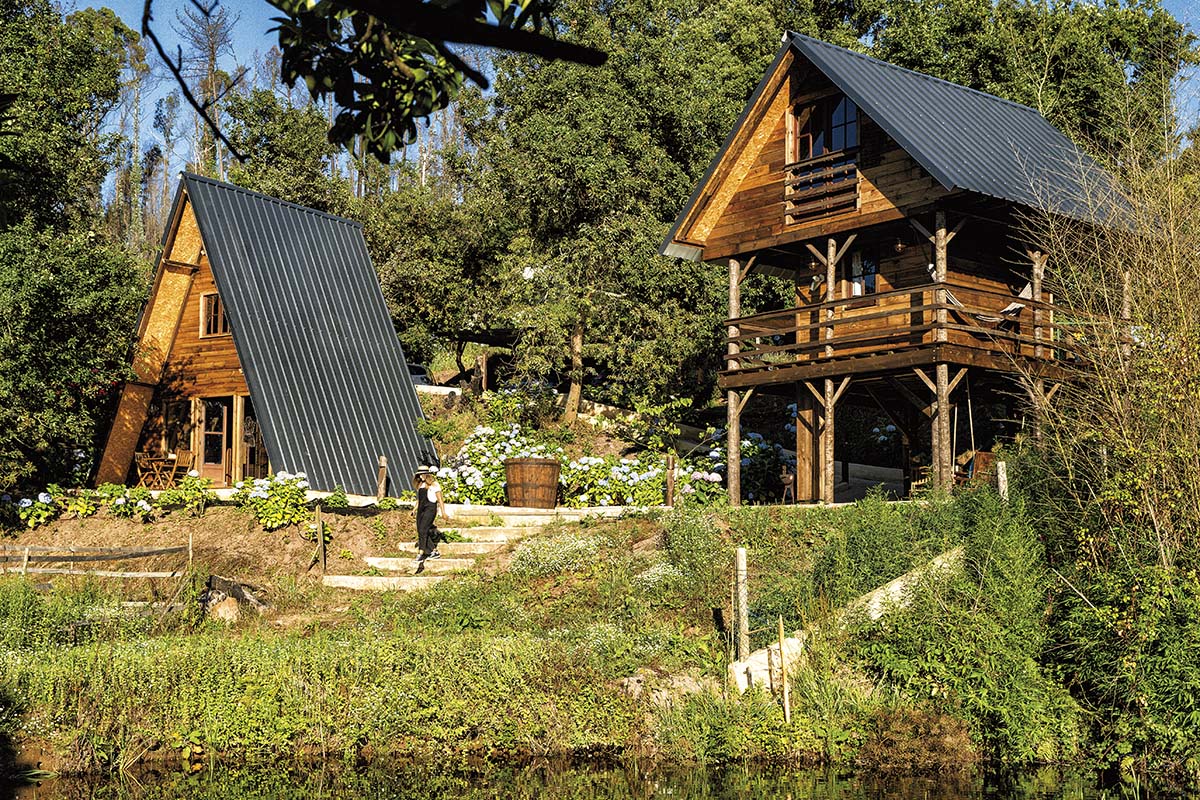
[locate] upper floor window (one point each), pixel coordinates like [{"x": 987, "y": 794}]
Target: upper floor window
[
  {"x": 821, "y": 177},
  {"x": 829, "y": 126},
  {"x": 212, "y": 316}
]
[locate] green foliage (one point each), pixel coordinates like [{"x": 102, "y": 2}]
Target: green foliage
[
  {"x": 70, "y": 301},
  {"x": 972, "y": 642},
  {"x": 654, "y": 426},
  {"x": 879, "y": 541},
  {"x": 191, "y": 494},
  {"x": 276, "y": 501},
  {"x": 708, "y": 729},
  {"x": 287, "y": 152},
  {"x": 695, "y": 548},
  {"x": 31, "y": 620},
  {"x": 126, "y": 503},
  {"x": 65, "y": 75},
  {"x": 529, "y": 405},
  {"x": 477, "y": 473},
  {"x": 387, "y": 70},
  {"x": 337, "y": 499},
  {"x": 388, "y": 503},
  {"x": 611, "y": 481},
  {"x": 564, "y": 552}
]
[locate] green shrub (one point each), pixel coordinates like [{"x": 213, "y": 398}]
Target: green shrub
[
  {"x": 695, "y": 548},
  {"x": 275, "y": 501},
  {"x": 337, "y": 499},
  {"x": 565, "y": 552},
  {"x": 191, "y": 494},
  {"x": 971, "y": 643}
]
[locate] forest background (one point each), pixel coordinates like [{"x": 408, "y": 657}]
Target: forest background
[{"x": 531, "y": 212}]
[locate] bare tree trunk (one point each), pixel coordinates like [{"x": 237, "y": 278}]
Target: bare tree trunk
[{"x": 575, "y": 393}]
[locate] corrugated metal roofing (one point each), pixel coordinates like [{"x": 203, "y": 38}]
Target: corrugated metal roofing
[
  {"x": 965, "y": 139},
  {"x": 328, "y": 379}
]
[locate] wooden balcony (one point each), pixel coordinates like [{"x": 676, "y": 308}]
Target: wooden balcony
[
  {"x": 926, "y": 324},
  {"x": 820, "y": 185}
]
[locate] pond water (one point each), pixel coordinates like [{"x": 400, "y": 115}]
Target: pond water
[{"x": 574, "y": 783}]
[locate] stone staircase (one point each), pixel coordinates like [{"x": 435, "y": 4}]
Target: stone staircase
[{"x": 484, "y": 530}]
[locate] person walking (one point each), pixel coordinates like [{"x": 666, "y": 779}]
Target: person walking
[{"x": 429, "y": 505}]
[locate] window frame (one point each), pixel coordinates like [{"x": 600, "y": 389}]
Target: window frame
[
  {"x": 823, "y": 109},
  {"x": 222, "y": 321}
]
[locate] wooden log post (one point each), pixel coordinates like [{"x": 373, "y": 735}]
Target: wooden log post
[
  {"x": 381, "y": 481},
  {"x": 670, "y": 479},
  {"x": 733, "y": 424},
  {"x": 320, "y": 537},
  {"x": 831, "y": 256},
  {"x": 944, "y": 455},
  {"x": 940, "y": 268},
  {"x": 783, "y": 673},
  {"x": 808, "y": 443},
  {"x": 743, "y": 605},
  {"x": 1002, "y": 479},
  {"x": 1039, "y": 260},
  {"x": 827, "y": 452}
]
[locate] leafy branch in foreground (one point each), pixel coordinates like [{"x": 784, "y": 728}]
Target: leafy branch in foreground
[{"x": 389, "y": 64}]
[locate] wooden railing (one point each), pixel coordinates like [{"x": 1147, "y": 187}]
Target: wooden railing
[
  {"x": 904, "y": 319},
  {"x": 818, "y": 185}
]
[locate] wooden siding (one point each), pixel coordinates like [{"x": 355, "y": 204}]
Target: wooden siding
[
  {"x": 202, "y": 366},
  {"x": 744, "y": 208},
  {"x": 984, "y": 276}
]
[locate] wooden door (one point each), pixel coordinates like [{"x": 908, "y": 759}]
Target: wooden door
[{"x": 214, "y": 445}]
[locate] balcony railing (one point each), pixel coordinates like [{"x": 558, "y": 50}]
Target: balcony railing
[
  {"x": 820, "y": 185},
  {"x": 901, "y": 320}
]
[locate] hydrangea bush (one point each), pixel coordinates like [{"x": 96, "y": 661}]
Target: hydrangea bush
[
  {"x": 762, "y": 463},
  {"x": 276, "y": 501},
  {"x": 477, "y": 475}
]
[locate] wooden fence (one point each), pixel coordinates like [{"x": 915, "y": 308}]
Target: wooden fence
[{"x": 19, "y": 558}]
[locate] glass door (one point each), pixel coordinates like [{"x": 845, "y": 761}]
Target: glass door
[{"x": 214, "y": 450}]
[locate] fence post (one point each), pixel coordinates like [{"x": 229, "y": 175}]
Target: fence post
[
  {"x": 320, "y": 538},
  {"x": 670, "y": 479},
  {"x": 743, "y": 610},
  {"x": 381, "y": 483},
  {"x": 787, "y": 699},
  {"x": 1002, "y": 479},
  {"x": 25, "y": 563}
]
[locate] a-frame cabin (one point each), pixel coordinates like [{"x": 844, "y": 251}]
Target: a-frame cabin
[
  {"x": 266, "y": 344},
  {"x": 894, "y": 201}
]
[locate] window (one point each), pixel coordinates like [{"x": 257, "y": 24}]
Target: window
[
  {"x": 862, "y": 270},
  {"x": 822, "y": 172},
  {"x": 212, "y": 316},
  {"x": 829, "y": 126}
]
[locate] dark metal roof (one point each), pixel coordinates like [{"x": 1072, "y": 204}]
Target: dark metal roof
[
  {"x": 965, "y": 139},
  {"x": 329, "y": 382}
]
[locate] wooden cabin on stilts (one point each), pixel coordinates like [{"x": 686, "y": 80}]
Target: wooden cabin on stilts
[{"x": 894, "y": 203}]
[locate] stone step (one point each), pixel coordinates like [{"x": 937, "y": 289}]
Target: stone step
[
  {"x": 471, "y": 548},
  {"x": 382, "y": 583},
  {"x": 409, "y": 565},
  {"x": 485, "y": 534}
]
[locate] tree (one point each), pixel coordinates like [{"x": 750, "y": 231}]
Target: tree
[
  {"x": 68, "y": 297},
  {"x": 288, "y": 154},
  {"x": 70, "y": 303},
  {"x": 595, "y": 163},
  {"x": 63, "y": 80},
  {"x": 208, "y": 36}
]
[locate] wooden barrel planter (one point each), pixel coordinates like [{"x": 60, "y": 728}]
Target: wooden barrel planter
[{"x": 532, "y": 482}]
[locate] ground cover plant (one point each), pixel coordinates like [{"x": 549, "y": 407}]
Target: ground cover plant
[{"x": 536, "y": 657}]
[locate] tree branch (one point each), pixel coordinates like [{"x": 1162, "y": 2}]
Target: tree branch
[{"x": 176, "y": 68}]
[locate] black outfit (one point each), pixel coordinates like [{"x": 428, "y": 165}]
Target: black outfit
[{"x": 427, "y": 509}]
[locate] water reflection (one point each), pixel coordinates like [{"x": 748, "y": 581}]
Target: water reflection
[{"x": 558, "y": 783}]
